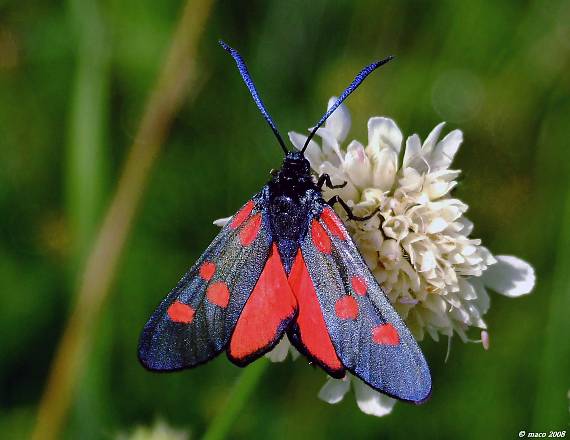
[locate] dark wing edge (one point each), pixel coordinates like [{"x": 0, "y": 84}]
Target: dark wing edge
[
  {"x": 368, "y": 335},
  {"x": 269, "y": 311},
  {"x": 194, "y": 323}
]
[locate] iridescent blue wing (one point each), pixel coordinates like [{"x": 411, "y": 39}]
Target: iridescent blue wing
[
  {"x": 196, "y": 320},
  {"x": 368, "y": 335}
]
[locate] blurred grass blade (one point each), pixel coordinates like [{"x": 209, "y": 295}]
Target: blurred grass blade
[
  {"x": 101, "y": 264},
  {"x": 86, "y": 173},
  {"x": 552, "y": 398},
  {"x": 240, "y": 394},
  {"x": 87, "y": 125}
]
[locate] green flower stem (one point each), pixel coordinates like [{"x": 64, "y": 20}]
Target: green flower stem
[
  {"x": 552, "y": 398},
  {"x": 244, "y": 387}
]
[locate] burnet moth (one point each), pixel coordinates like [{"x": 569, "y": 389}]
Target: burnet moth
[{"x": 285, "y": 264}]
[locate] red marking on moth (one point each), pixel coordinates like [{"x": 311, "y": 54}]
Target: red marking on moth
[
  {"x": 346, "y": 307},
  {"x": 358, "y": 285},
  {"x": 250, "y": 230},
  {"x": 385, "y": 334},
  {"x": 333, "y": 223},
  {"x": 207, "y": 270},
  {"x": 218, "y": 294},
  {"x": 270, "y": 306},
  {"x": 242, "y": 215},
  {"x": 313, "y": 332},
  {"x": 180, "y": 312},
  {"x": 320, "y": 237}
]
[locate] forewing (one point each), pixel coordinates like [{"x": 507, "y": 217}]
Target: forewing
[
  {"x": 368, "y": 335},
  {"x": 196, "y": 320}
]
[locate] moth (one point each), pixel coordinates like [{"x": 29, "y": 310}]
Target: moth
[{"x": 286, "y": 265}]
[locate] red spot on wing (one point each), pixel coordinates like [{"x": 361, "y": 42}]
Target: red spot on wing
[
  {"x": 333, "y": 223},
  {"x": 180, "y": 312},
  {"x": 358, "y": 285},
  {"x": 385, "y": 334},
  {"x": 250, "y": 230},
  {"x": 218, "y": 294},
  {"x": 207, "y": 270},
  {"x": 313, "y": 332},
  {"x": 242, "y": 215},
  {"x": 265, "y": 315},
  {"x": 320, "y": 237},
  {"x": 346, "y": 307}
]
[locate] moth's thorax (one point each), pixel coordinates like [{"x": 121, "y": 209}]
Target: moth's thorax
[
  {"x": 292, "y": 192},
  {"x": 294, "y": 177}
]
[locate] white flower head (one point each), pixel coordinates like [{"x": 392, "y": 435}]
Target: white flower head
[
  {"x": 160, "y": 430},
  {"x": 419, "y": 246}
]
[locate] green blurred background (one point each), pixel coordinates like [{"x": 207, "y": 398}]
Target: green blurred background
[{"x": 74, "y": 78}]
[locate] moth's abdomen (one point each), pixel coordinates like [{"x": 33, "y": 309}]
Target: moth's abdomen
[{"x": 288, "y": 219}]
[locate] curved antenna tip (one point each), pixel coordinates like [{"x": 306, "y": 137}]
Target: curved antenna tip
[
  {"x": 351, "y": 88},
  {"x": 384, "y": 61}
]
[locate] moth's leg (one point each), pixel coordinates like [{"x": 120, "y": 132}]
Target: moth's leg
[
  {"x": 336, "y": 199},
  {"x": 325, "y": 178}
]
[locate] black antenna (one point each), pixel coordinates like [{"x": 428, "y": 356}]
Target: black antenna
[
  {"x": 351, "y": 88},
  {"x": 251, "y": 86}
]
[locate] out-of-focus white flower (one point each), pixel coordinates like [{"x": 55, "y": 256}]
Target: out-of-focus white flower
[
  {"x": 159, "y": 431},
  {"x": 418, "y": 246}
]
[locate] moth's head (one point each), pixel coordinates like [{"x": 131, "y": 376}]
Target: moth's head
[{"x": 295, "y": 163}]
